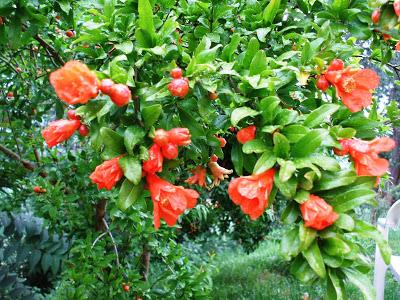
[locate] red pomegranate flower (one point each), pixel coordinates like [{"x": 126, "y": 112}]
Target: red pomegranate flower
[
  {"x": 222, "y": 141},
  {"x": 74, "y": 83},
  {"x": 354, "y": 87},
  {"x": 59, "y": 131},
  {"x": 365, "y": 155},
  {"x": 155, "y": 162},
  {"x": 252, "y": 192},
  {"x": 219, "y": 173},
  {"x": 199, "y": 176},
  {"x": 179, "y": 87},
  {"x": 107, "y": 174},
  {"x": 179, "y": 136},
  {"x": 169, "y": 201},
  {"x": 246, "y": 134},
  {"x": 317, "y": 214}
]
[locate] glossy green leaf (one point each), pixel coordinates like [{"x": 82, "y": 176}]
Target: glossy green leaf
[
  {"x": 307, "y": 236},
  {"x": 237, "y": 158},
  {"x": 133, "y": 135},
  {"x": 128, "y": 194},
  {"x": 290, "y": 244},
  {"x": 240, "y": 113},
  {"x": 270, "y": 11},
  {"x": 361, "y": 281},
  {"x": 287, "y": 170},
  {"x": 112, "y": 140},
  {"x": 345, "y": 222},
  {"x": 319, "y": 115},
  {"x": 281, "y": 145},
  {"x": 255, "y": 146},
  {"x": 310, "y": 142},
  {"x": 302, "y": 270},
  {"x": 335, "y": 246},
  {"x": 335, "y": 287},
  {"x": 229, "y": 50},
  {"x": 150, "y": 114},
  {"x": 294, "y": 132},
  {"x": 265, "y": 162},
  {"x": 269, "y": 108},
  {"x": 331, "y": 180},
  {"x": 132, "y": 168},
  {"x": 259, "y": 63},
  {"x": 314, "y": 258},
  {"x": 287, "y": 188}
]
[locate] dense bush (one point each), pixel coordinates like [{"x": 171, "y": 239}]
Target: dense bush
[{"x": 270, "y": 93}]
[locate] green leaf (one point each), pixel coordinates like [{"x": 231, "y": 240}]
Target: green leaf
[
  {"x": 240, "y": 113},
  {"x": 145, "y": 22},
  {"x": 306, "y": 53},
  {"x": 290, "y": 244},
  {"x": 269, "y": 107},
  {"x": 270, "y": 11},
  {"x": 302, "y": 196},
  {"x": 286, "y": 116},
  {"x": 345, "y": 222},
  {"x": 259, "y": 63},
  {"x": 132, "y": 168},
  {"x": 366, "y": 230},
  {"x": 281, "y": 145},
  {"x": 335, "y": 246},
  {"x": 340, "y": 5},
  {"x": 195, "y": 128},
  {"x": 150, "y": 114},
  {"x": 265, "y": 162},
  {"x": 287, "y": 188},
  {"x": 112, "y": 140},
  {"x": 128, "y": 194},
  {"x": 118, "y": 74},
  {"x": 65, "y": 5},
  {"x": 314, "y": 259},
  {"x": 126, "y": 47},
  {"x": 335, "y": 286},
  {"x": 133, "y": 135},
  {"x": 331, "y": 180},
  {"x": 252, "y": 48},
  {"x": 319, "y": 115},
  {"x": 237, "y": 158},
  {"x": 310, "y": 142},
  {"x": 229, "y": 50},
  {"x": 325, "y": 162},
  {"x": 287, "y": 170},
  {"x": 294, "y": 132},
  {"x": 352, "y": 198},
  {"x": 89, "y": 111},
  {"x": 290, "y": 213},
  {"x": 307, "y": 236},
  {"x": 361, "y": 281},
  {"x": 302, "y": 270},
  {"x": 255, "y": 146}
]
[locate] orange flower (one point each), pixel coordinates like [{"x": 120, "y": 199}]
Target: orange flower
[
  {"x": 365, "y": 155},
  {"x": 169, "y": 201},
  {"x": 179, "y": 136},
  {"x": 74, "y": 83},
  {"x": 222, "y": 141},
  {"x": 199, "y": 176},
  {"x": 252, "y": 192},
  {"x": 317, "y": 213},
  {"x": 107, "y": 174},
  {"x": 246, "y": 134},
  {"x": 219, "y": 173},
  {"x": 354, "y": 87},
  {"x": 155, "y": 162},
  {"x": 59, "y": 131}
]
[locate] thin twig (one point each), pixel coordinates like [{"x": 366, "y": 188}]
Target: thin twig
[
  {"x": 50, "y": 49},
  {"x": 98, "y": 238},
  {"x": 27, "y": 164},
  {"x": 13, "y": 133},
  {"x": 113, "y": 241}
]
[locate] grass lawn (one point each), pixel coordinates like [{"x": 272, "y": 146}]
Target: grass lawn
[{"x": 264, "y": 275}]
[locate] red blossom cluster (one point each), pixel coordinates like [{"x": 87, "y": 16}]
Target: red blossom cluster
[
  {"x": 317, "y": 214},
  {"x": 353, "y": 86},
  {"x": 61, "y": 130},
  {"x": 179, "y": 86},
  {"x": 169, "y": 201},
  {"x": 75, "y": 83},
  {"x": 365, "y": 155}
]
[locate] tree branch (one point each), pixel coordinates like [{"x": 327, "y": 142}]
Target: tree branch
[
  {"x": 50, "y": 49},
  {"x": 26, "y": 163},
  {"x": 113, "y": 242}
]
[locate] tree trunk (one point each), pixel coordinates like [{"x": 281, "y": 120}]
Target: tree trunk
[{"x": 145, "y": 262}]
